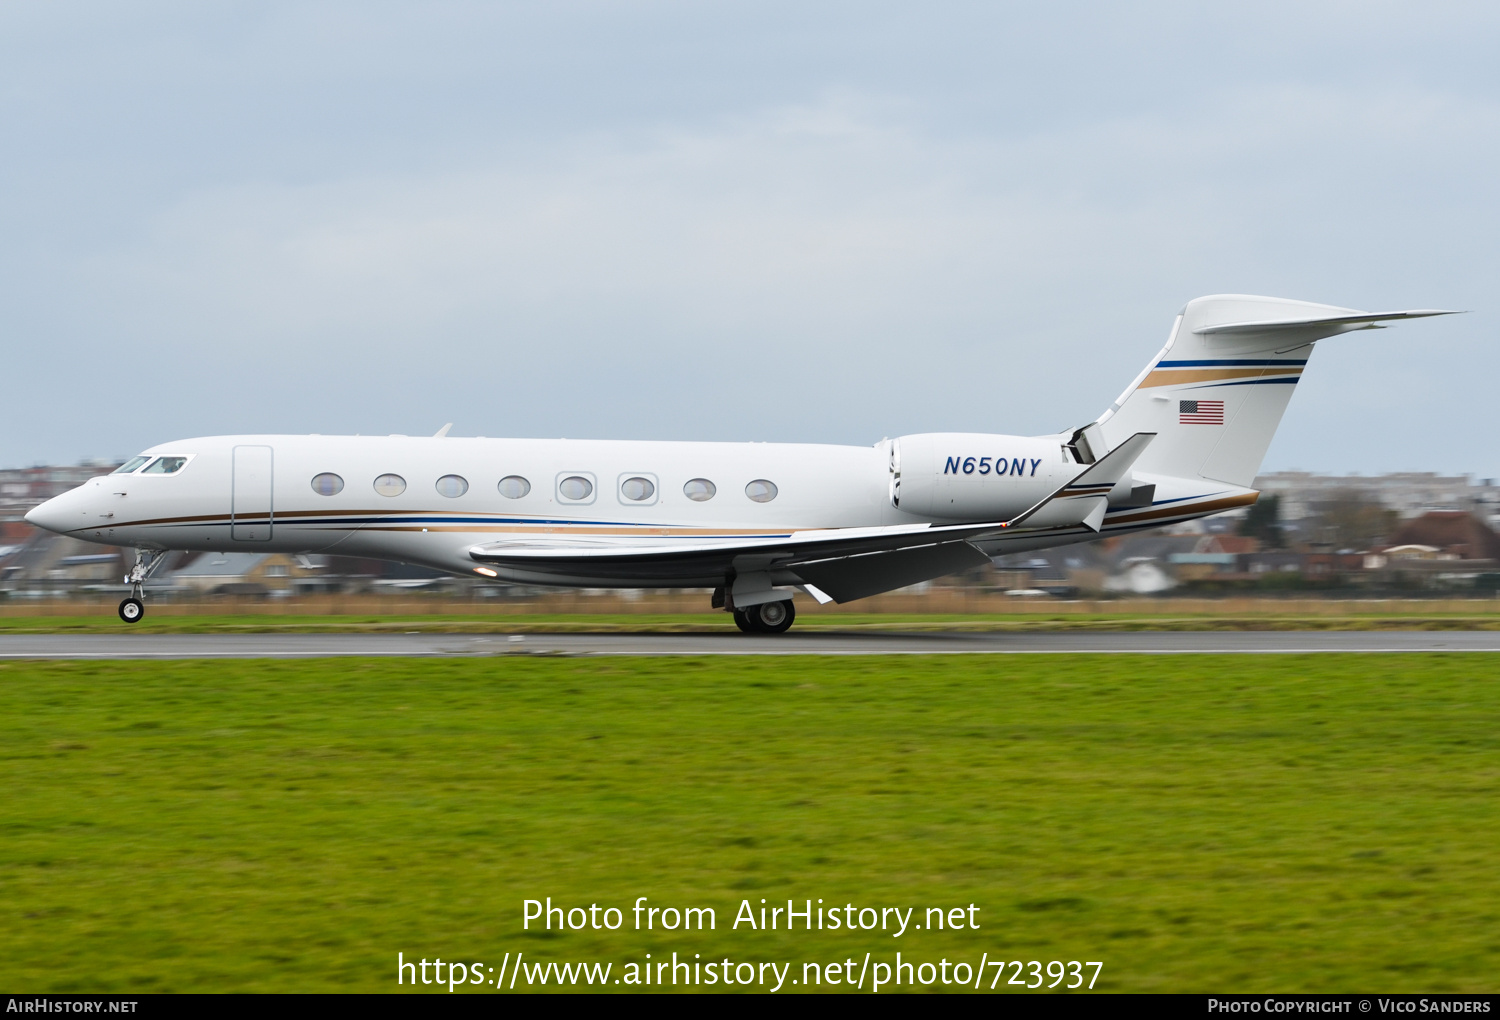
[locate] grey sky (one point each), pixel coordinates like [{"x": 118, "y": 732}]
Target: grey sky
[{"x": 763, "y": 221}]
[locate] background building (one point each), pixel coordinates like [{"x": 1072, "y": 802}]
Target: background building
[{"x": 1407, "y": 493}]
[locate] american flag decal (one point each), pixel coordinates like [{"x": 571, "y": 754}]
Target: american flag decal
[{"x": 1200, "y": 412}]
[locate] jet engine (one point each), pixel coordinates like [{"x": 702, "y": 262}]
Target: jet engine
[{"x": 972, "y": 476}]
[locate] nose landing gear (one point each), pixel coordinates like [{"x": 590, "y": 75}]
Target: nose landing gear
[{"x": 133, "y": 608}]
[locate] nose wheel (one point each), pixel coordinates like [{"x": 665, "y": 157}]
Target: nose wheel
[{"x": 146, "y": 563}]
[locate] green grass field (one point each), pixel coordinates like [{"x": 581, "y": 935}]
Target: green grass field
[{"x": 1234, "y": 823}]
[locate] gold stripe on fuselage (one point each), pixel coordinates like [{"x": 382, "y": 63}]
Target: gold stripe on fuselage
[
  {"x": 1185, "y": 376},
  {"x": 378, "y": 521}
]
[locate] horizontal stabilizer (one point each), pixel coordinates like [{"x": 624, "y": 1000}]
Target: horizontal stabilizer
[{"x": 1356, "y": 320}]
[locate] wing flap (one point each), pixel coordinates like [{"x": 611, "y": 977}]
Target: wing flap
[
  {"x": 847, "y": 578},
  {"x": 699, "y": 560},
  {"x": 812, "y": 541}
]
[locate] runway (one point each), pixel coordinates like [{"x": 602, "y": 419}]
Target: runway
[{"x": 312, "y": 646}]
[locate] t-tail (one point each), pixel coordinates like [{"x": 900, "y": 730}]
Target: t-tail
[{"x": 1217, "y": 391}]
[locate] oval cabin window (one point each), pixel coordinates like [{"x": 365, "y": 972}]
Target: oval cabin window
[
  {"x": 514, "y": 486},
  {"x": 637, "y": 489},
  {"x": 699, "y": 490},
  {"x": 575, "y": 487},
  {"x": 327, "y": 484},
  {"x": 452, "y": 486},
  {"x": 390, "y": 485},
  {"x": 761, "y": 490}
]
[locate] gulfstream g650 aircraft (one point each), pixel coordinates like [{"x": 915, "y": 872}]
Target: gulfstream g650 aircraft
[{"x": 755, "y": 522}]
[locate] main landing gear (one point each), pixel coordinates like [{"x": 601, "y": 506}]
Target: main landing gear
[
  {"x": 762, "y": 618},
  {"x": 766, "y": 618},
  {"x": 133, "y": 608}
]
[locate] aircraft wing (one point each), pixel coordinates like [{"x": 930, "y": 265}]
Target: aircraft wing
[
  {"x": 709, "y": 556},
  {"x": 846, "y": 563}
]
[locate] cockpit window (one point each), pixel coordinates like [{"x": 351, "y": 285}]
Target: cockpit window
[
  {"x": 165, "y": 466},
  {"x": 130, "y": 465}
]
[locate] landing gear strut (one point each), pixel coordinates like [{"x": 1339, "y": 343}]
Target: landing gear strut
[
  {"x": 133, "y": 608},
  {"x": 766, "y": 618}
]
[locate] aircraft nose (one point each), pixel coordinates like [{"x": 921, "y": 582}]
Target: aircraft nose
[{"x": 53, "y": 515}]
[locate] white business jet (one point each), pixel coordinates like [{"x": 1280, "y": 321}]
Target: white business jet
[{"x": 756, "y": 522}]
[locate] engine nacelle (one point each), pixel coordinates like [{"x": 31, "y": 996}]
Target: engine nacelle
[{"x": 974, "y": 476}]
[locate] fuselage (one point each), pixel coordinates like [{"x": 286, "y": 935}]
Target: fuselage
[{"x": 430, "y": 500}]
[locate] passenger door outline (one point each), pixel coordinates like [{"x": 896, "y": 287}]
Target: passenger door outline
[{"x": 251, "y": 494}]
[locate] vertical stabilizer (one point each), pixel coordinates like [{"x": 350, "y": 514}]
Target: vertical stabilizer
[{"x": 1217, "y": 391}]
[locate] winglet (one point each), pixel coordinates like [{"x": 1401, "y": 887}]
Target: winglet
[
  {"x": 1114, "y": 465},
  {"x": 1094, "y": 482}
]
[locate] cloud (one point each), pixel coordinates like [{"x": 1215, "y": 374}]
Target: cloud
[{"x": 835, "y": 269}]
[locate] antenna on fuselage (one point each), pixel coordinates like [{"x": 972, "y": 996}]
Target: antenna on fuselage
[{"x": 440, "y": 433}]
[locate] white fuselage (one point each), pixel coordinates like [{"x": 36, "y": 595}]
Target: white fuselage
[{"x": 257, "y": 493}]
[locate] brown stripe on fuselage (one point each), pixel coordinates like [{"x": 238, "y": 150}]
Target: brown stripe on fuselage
[
  {"x": 567, "y": 529},
  {"x": 278, "y": 514},
  {"x": 1192, "y": 509}
]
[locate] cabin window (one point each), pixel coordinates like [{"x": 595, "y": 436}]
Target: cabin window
[
  {"x": 327, "y": 484},
  {"x": 575, "y": 488},
  {"x": 452, "y": 486},
  {"x": 165, "y": 466},
  {"x": 514, "y": 486},
  {"x": 761, "y": 490},
  {"x": 637, "y": 489},
  {"x": 390, "y": 485},
  {"x": 130, "y": 465},
  {"x": 699, "y": 490}
]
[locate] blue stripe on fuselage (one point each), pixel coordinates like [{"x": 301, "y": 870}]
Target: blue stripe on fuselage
[{"x": 1234, "y": 363}]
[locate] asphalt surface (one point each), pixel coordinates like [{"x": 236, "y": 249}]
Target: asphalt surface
[{"x": 310, "y": 646}]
